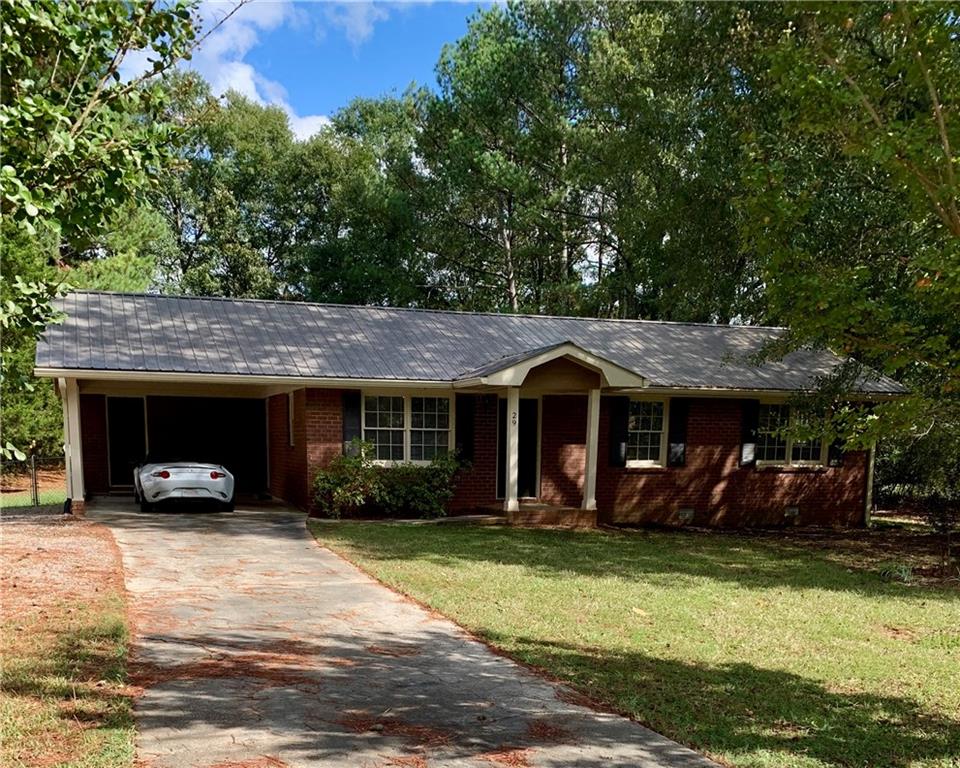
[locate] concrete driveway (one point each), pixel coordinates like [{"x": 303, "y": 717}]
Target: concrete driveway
[{"x": 256, "y": 647}]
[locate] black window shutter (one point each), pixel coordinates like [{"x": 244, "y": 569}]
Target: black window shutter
[
  {"x": 351, "y": 417},
  {"x": 749, "y": 426},
  {"x": 619, "y": 421},
  {"x": 677, "y": 432},
  {"x": 466, "y": 406},
  {"x": 835, "y": 454}
]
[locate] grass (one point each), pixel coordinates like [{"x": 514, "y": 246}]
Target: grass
[
  {"x": 51, "y": 485},
  {"x": 63, "y": 699},
  {"x": 759, "y": 651},
  {"x": 25, "y": 499}
]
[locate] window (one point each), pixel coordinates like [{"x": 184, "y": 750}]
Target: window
[
  {"x": 645, "y": 432},
  {"x": 805, "y": 451},
  {"x": 383, "y": 426},
  {"x": 407, "y": 428},
  {"x": 775, "y": 448},
  {"x": 429, "y": 427},
  {"x": 771, "y": 446}
]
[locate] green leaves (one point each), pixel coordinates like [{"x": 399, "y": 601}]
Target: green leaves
[
  {"x": 850, "y": 204},
  {"x": 79, "y": 142},
  {"x": 77, "y": 138}
]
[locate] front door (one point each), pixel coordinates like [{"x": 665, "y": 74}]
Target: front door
[
  {"x": 529, "y": 438},
  {"x": 126, "y": 438}
]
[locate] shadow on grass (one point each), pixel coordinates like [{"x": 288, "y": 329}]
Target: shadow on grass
[
  {"x": 747, "y": 714},
  {"x": 740, "y": 710},
  {"x": 656, "y": 557},
  {"x": 85, "y": 672}
]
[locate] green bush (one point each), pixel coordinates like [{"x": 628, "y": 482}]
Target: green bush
[
  {"x": 354, "y": 485},
  {"x": 348, "y": 484}
]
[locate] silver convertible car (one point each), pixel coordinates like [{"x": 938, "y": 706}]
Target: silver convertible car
[{"x": 156, "y": 481}]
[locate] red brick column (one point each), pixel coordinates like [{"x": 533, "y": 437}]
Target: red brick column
[{"x": 323, "y": 427}]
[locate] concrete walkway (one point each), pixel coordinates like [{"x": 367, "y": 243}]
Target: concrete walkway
[{"x": 256, "y": 647}]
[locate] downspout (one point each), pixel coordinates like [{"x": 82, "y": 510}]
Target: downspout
[{"x": 868, "y": 499}]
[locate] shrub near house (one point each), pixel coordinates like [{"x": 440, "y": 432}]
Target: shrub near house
[{"x": 354, "y": 484}]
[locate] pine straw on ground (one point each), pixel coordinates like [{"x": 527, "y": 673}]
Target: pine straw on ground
[
  {"x": 264, "y": 761},
  {"x": 408, "y": 761},
  {"x": 396, "y": 651},
  {"x": 511, "y": 757},
  {"x": 422, "y": 736},
  {"x": 63, "y": 628},
  {"x": 272, "y": 669},
  {"x": 542, "y": 731}
]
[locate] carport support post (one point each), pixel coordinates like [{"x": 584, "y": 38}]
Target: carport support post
[
  {"x": 593, "y": 439},
  {"x": 510, "y": 502},
  {"x": 72, "y": 446}
]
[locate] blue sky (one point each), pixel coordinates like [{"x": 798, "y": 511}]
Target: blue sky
[{"x": 311, "y": 58}]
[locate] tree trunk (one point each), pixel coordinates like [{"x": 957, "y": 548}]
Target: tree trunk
[
  {"x": 509, "y": 268},
  {"x": 510, "y": 272}
]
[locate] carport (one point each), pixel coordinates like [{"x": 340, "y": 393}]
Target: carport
[
  {"x": 220, "y": 430},
  {"x": 113, "y": 422}
]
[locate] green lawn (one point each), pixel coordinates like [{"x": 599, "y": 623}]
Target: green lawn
[
  {"x": 755, "y": 651},
  {"x": 25, "y": 499}
]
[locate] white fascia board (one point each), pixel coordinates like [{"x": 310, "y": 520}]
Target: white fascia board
[
  {"x": 241, "y": 378},
  {"x": 771, "y": 394},
  {"x": 612, "y": 374}
]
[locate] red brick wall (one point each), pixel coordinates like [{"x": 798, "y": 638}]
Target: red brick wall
[
  {"x": 720, "y": 491},
  {"x": 477, "y": 486},
  {"x": 317, "y": 435},
  {"x": 712, "y": 483},
  {"x": 324, "y": 430},
  {"x": 93, "y": 434},
  {"x": 288, "y": 463}
]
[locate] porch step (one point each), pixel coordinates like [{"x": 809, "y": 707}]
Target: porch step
[{"x": 538, "y": 515}]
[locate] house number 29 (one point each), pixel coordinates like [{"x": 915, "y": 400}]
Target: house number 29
[{"x": 513, "y": 419}]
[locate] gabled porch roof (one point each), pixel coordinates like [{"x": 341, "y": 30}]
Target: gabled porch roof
[{"x": 512, "y": 370}]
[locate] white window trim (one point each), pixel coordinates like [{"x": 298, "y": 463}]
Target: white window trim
[
  {"x": 790, "y": 461},
  {"x": 407, "y": 396},
  {"x": 664, "y": 435}
]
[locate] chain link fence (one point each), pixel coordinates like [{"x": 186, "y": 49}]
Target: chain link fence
[{"x": 35, "y": 482}]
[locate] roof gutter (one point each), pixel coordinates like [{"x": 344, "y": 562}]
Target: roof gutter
[
  {"x": 753, "y": 393},
  {"x": 174, "y": 377},
  {"x": 232, "y": 378}
]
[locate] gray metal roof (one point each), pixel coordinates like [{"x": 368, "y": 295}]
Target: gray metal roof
[{"x": 138, "y": 332}]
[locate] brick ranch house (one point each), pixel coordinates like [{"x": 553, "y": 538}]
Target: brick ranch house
[{"x": 644, "y": 422}]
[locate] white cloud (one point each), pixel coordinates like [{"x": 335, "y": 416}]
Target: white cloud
[
  {"x": 306, "y": 126},
  {"x": 220, "y": 58},
  {"x": 356, "y": 19}
]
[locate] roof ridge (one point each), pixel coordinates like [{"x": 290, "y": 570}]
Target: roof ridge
[{"x": 426, "y": 310}]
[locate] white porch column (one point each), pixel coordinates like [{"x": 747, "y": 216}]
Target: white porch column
[
  {"x": 593, "y": 438},
  {"x": 510, "y": 501},
  {"x": 73, "y": 446}
]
